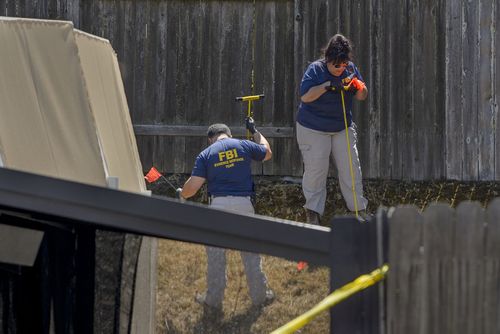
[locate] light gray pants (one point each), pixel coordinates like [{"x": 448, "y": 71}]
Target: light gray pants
[
  {"x": 216, "y": 258},
  {"x": 316, "y": 147}
]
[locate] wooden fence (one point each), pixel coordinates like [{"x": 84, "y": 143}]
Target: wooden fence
[
  {"x": 445, "y": 269},
  {"x": 432, "y": 68},
  {"x": 444, "y": 263}
]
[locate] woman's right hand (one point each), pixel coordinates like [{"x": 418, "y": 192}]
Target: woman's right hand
[{"x": 315, "y": 92}]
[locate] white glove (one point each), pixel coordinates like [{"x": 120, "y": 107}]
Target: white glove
[{"x": 179, "y": 196}]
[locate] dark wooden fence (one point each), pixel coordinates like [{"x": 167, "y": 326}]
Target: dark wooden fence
[
  {"x": 444, "y": 269},
  {"x": 432, "y": 69}
]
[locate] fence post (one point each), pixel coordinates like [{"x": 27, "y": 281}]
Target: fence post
[
  {"x": 467, "y": 291},
  {"x": 354, "y": 253},
  {"x": 491, "y": 303},
  {"x": 438, "y": 243},
  {"x": 406, "y": 280},
  {"x": 382, "y": 222}
]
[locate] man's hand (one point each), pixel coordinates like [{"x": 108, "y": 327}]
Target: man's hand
[
  {"x": 250, "y": 125},
  {"x": 357, "y": 84}
]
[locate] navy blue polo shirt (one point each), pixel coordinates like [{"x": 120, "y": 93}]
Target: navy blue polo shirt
[
  {"x": 325, "y": 113},
  {"x": 226, "y": 164}
]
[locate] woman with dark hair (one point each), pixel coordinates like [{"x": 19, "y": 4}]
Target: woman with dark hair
[{"x": 321, "y": 127}]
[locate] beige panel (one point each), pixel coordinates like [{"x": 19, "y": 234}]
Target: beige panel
[
  {"x": 109, "y": 105},
  {"x": 46, "y": 125},
  {"x": 117, "y": 139}
]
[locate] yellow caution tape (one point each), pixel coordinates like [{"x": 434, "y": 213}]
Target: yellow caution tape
[{"x": 360, "y": 283}]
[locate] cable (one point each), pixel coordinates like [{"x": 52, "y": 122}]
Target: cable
[{"x": 349, "y": 154}]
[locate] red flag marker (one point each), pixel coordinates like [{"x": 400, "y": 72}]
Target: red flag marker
[
  {"x": 301, "y": 265},
  {"x": 152, "y": 175}
]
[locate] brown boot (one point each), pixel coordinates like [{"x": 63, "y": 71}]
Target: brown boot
[{"x": 312, "y": 217}]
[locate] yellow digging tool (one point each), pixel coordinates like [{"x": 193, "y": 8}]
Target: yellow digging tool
[
  {"x": 249, "y": 99},
  {"x": 349, "y": 154}
]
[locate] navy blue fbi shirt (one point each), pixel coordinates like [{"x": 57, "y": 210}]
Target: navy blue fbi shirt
[
  {"x": 226, "y": 164},
  {"x": 325, "y": 113}
]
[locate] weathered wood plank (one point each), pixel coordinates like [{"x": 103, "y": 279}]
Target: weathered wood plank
[
  {"x": 268, "y": 110},
  {"x": 127, "y": 23},
  {"x": 362, "y": 109},
  {"x": 454, "y": 152},
  {"x": 149, "y": 90},
  {"x": 212, "y": 62},
  {"x": 73, "y": 12},
  {"x": 182, "y": 44},
  {"x": 470, "y": 82},
  {"x": 405, "y": 286},
  {"x": 402, "y": 86},
  {"x": 22, "y": 8},
  {"x": 388, "y": 162},
  {"x": 159, "y": 36},
  {"x": 423, "y": 68},
  {"x": 496, "y": 66},
  {"x": 372, "y": 139},
  {"x": 355, "y": 37},
  {"x": 201, "y": 131},
  {"x": 468, "y": 268},
  {"x": 123, "y": 39},
  {"x": 194, "y": 146},
  {"x": 255, "y": 65},
  {"x": 10, "y": 8},
  {"x": 438, "y": 115},
  {"x": 491, "y": 276},
  {"x": 345, "y": 22},
  {"x": 298, "y": 48},
  {"x": 230, "y": 66},
  {"x": 440, "y": 102},
  {"x": 142, "y": 54},
  {"x": 439, "y": 221},
  {"x": 298, "y": 71},
  {"x": 146, "y": 154},
  {"x": 291, "y": 161},
  {"x": 190, "y": 70},
  {"x": 486, "y": 108},
  {"x": 268, "y": 44},
  {"x": 333, "y": 22}
]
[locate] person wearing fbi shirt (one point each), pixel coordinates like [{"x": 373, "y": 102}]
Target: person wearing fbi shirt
[
  {"x": 321, "y": 127},
  {"x": 226, "y": 167}
]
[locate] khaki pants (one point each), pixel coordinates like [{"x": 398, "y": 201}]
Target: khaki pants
[
  {"x": 316, "y": 147},
  {"x": 216, "y": 258}
]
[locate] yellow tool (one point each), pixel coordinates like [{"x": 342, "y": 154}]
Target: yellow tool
[
  {"x": 350, "y": 157},
  {"x": 249, "y": 99}
]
